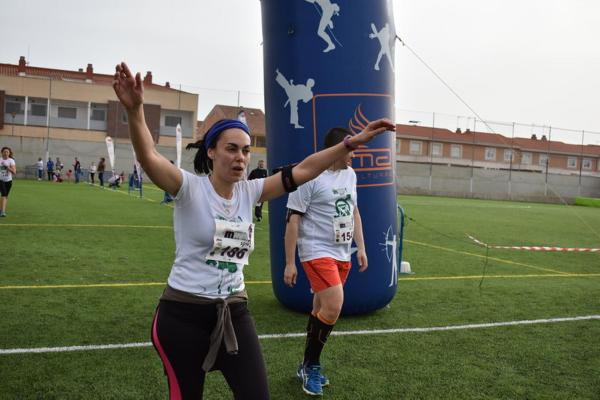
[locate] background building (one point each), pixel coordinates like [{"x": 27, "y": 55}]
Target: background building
[
  {"x": 51, "y": 112},
  {"x": 486, "y": 165},
  {"x": 58, "y": 113}
]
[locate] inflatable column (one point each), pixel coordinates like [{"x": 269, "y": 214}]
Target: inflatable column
[{"x": 329, "y": 64}]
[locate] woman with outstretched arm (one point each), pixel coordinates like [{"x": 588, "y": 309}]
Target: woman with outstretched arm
[{"x": 202, "y": 322}]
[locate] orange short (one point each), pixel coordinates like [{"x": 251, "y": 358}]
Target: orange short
[{"x": 326, "y": 272}]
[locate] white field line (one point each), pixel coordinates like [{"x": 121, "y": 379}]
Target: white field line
[
  {"x": 302, "y": 334},
  {"x": 470, "y": 206}
]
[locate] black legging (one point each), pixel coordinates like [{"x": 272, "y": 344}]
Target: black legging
[{"x": 181, "y": 333}]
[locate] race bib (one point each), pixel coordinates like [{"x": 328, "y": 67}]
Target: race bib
[
  {"x": 233, "y": 242},
  {"x": 3, "y": 171},
  {"x": 343, "y": 229}
]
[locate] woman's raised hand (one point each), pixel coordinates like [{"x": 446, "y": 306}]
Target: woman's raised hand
[
  {"x": 129, "y": 89},
  {"x": 373, "y": 129}
]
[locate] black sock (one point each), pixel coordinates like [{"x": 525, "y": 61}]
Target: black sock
[{"x": 317, "y": 333}]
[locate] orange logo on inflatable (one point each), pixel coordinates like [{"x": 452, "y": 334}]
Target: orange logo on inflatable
[{"x": 367, "y": 159}]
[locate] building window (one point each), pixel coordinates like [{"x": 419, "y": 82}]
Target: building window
[
  {"x": 398, "y": 145},
  {"x": 456, "y": 151},
  {"x": 572, "y": 162},
  {"x": 98, "y": 115},
  {"x": 171, "y": 120},
  {"x": 508, "y": 156},
  {"x": 261, "y": 141},
  {"x": 415, "y": 147},
  {"x": 12, "y": 107},
  {"x": 490, "y": 154},
  {"x": 436, "y": 149},
  {"x": 526, "y": 158},
  {"x": 544, "y": 160},
  {"x": 67, "y": 112},
  {"x": 124, "y": 119},
  {"x": 586, "y": 163},
  {"x": 38, "y": 110}
]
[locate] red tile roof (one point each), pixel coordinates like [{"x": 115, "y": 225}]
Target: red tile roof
[
  {"x": 254, "y": 117},
  {"x": 494, "y": 139},
  {"x": 59, "y": 74}
]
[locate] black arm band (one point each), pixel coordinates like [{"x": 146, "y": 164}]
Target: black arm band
[
  {"x": 287, "y": 179},
  {"x": 291, "y": 212}
]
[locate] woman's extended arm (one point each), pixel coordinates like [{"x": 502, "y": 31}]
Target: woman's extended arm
[
  {"x": 313, "y": 165},
  {"x": 130, "y": 91}
]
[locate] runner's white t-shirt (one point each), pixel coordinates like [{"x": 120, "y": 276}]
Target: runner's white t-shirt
[
  {"x": 326, "y": 199},
  {"x": 197, "y": 206},
  {"x": 5, "y": 174}
]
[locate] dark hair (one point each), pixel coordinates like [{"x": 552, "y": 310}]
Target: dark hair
[
  {"x": 10, "y": 153},
  {"x": 203, "y": 164},
  {"x": 335, "y": 136}
]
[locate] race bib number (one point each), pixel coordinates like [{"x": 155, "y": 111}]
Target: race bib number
[
  {"x": 233, "y": 242},
  {"x": 3, "y": 171},
  {"x": 343, "y": 229}
]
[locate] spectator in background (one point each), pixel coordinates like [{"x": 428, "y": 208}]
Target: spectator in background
[
  {"x": 69, "y": 174},
  {"x": 8, "y": 168},
  {"x": 77, "y": 170},
  {"x": 257, "y": 173},
  {"x": 92, "y": 172},
  {"x": 114, "y": 181},
  {"x": 57, "y": 176},
  {"x": 59, "y": 165},
  {"x": 101, "y": 168},
  {"x": 40, "y": 168},
  {"x": 50, "y": 169}
]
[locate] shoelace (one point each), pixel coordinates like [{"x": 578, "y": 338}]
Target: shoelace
[{"x": 314, "y": 373}]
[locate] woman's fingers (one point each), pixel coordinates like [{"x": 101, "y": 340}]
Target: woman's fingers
[
  {"x": 384, "y": 124},
  {"x": 290, "y": 279},
  {"x": 126, "y": 70}
]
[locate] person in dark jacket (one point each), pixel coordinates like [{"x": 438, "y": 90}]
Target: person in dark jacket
[{"x": 258, "y": 172}]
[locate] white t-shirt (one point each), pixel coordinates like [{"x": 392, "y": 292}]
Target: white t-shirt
[
  {"x": 5, "y": 174},
  {"x": 324, "y": 200},
  {"x": 40, "y": 165},
  {"x": 197, "y": 206},
  {"x": 93, "y": 169}
]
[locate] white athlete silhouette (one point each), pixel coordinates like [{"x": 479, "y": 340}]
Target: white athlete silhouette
[
  {"x": 386, "y": 44},
  {"x": 328, "y": 10},
  {"x": 295, "y": 93}
]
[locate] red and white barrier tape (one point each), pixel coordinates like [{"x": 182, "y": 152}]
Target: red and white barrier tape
[{"x": 538, "y": 248}]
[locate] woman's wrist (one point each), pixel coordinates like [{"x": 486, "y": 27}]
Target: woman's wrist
[
  {"x": 135, "y": 110},
  {"x": 348, "y": 144}
]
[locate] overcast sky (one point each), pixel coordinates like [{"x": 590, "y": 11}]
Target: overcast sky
[{"x": 526, "y": 61}]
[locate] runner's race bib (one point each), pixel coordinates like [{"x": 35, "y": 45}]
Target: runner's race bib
[
  {"x": 3, "y": 171},
  {"x": 233, "y": 242},
  {"x": 343, "y": 229}
]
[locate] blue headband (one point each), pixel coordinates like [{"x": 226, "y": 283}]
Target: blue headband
[{"x": 220, "y": 126}]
